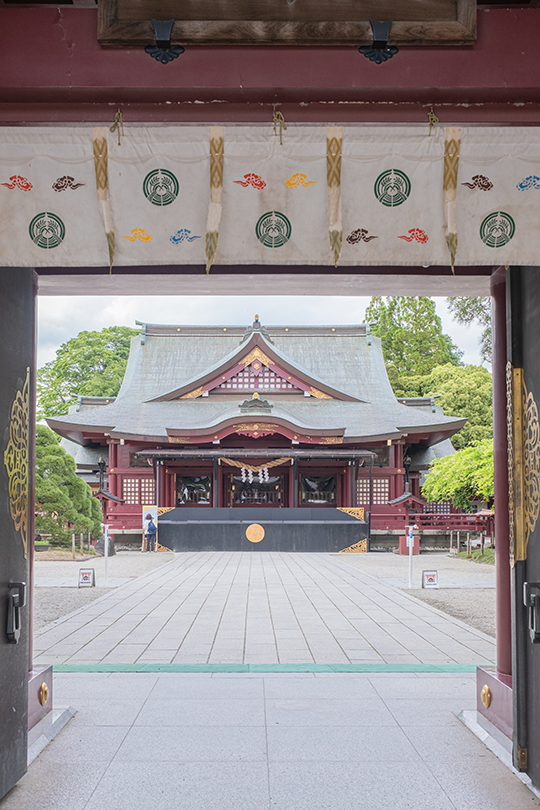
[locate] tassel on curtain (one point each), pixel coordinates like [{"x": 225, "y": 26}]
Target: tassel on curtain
[
  {"x": 101, "y": 166},
  {"x": 334, "y": 141},
  {"x": 452, "y": 145},
  {"x": 216, "y": 193}
]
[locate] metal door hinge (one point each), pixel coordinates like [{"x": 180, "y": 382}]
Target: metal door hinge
[{"x": 521, "y": 758}]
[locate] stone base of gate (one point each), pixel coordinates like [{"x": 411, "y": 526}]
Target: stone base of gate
[
  {"x": 44, "y": 719},
  {"x": 494, "y": 699},
  {"x": 40, "y": 693}
]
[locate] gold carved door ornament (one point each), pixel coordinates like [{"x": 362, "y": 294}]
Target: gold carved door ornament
[
  {"x": 523, "y": 462},
  {"x": 17, "y": 461}
]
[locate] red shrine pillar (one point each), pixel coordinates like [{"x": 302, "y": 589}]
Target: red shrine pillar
[
  {"x": 347, "y": 487},
  {"x": 161, "y": 494},
  {"x": 291, "y": 485},
  {"x": 500, "y": 710},
  {"x": 500, "y": 460},
  {"x": 113, "y": 463},
  {"x": 398, "y": 463}
]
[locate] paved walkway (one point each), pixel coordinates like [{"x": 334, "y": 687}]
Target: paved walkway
[
  {"x": 260, "y": 608},
  {"x": 267, "y": 742}
]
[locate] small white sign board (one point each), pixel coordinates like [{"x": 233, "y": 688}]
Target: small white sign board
[
  {"x": 430, "y": 579},
  {"x": 87, "y": 578}
]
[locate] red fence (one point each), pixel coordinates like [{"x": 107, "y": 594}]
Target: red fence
[{"x": 393, "y": 520}]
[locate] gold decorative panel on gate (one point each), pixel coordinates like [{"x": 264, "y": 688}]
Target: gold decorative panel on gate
[{"x": 523, "y": 462}]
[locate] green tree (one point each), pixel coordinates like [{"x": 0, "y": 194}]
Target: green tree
[
  {"x": 472, "y": 309},
  {"x": 463, "y": 477},
  {"x": 92, "y": 364},
  {"x": 64, "y": 502},
  {"x": 464, "y": 391},
  {"x": 413, "y": 342}
]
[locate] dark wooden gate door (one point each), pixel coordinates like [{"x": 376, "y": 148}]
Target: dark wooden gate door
[
  {"x": 16, "y": 440},
  {"x": 523, "y": 389}
]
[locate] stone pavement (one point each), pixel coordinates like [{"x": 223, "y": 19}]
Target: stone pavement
[
  {"x": 267, "y": 742},
  {"x": 260, "y": 608}
]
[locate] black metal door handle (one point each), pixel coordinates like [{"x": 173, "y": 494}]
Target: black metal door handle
[
  {"x": 531, "y": 600},
  {"x": 16, "y": 601}
]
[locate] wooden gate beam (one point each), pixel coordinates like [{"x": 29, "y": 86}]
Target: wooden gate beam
[{"x": 65, "y": 75}]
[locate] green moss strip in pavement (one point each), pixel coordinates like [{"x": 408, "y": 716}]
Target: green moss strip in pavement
[{"x": 372, "y": 668}]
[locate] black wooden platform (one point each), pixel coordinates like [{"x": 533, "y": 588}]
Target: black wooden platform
[{"x": 200, "y": 529}]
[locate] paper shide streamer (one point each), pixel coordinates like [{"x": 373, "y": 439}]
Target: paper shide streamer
[
  {"x": 334, "y": 142},
  {"x": 452, "y": 145},
  {"x": 101, "y": 167},
  {"x": 216, "y": 193}
]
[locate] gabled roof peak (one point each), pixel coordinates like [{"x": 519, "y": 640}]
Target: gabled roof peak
[
  {"x": 256, "y": 327},
  {"x": 257, "y": 349}
]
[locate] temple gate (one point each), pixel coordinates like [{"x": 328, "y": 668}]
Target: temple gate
[{"x": 471, "y": 196}]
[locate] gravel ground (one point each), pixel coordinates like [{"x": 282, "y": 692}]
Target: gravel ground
[
  {"x": 123, "y": 564},
  {"x": 392, "y": 567},
  {"x": 473, "y": 605},
  {"x": 52, "y": 603}
]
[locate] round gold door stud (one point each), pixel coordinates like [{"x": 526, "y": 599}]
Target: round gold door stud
[
  {"x": 43, "y": 693},
  {"x": 485, "y": 694},
  {"x": 255, "y": 533}
]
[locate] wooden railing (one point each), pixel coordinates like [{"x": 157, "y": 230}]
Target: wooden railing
[{"x": 392, "y": 520}]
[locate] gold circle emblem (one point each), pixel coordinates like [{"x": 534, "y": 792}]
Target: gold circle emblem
[
  {"x": 43, "y": 693},
  {"x": 485, "y": 694},
  {"x": 255, "y": 533}
]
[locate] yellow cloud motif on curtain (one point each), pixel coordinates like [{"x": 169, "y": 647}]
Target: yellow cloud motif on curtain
[
  {"x": 299, "y": 179},
  {"x": 140, "y": 234},
  {"x": 16, "y": 461}
]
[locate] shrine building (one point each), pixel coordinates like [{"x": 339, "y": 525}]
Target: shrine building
[{"x": 266, "y": 418}]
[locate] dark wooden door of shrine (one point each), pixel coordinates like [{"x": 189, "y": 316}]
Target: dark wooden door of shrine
[
  {"x": 523, "y": 386},
  {"x": 16, "y": 426}
]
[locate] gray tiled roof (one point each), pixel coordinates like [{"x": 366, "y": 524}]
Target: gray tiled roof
[
  {"x": 345, "y": 358},
  {"x": 85, "y": 456}
]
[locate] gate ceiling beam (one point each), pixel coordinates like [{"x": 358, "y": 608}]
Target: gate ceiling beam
[{"x": 64, "y": 65}]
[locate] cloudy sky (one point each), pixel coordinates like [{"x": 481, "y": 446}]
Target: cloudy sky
[{"x": 61, "y": 318}]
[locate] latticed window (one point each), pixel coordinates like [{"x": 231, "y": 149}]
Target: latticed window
[
  {"x": 266, "y": 380},
  {"x": 439, "y": 507},
  {"x": 147, "y": 491},
  {"x": 138, "y": 490},
  {"x": 380, "y": 489}
]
